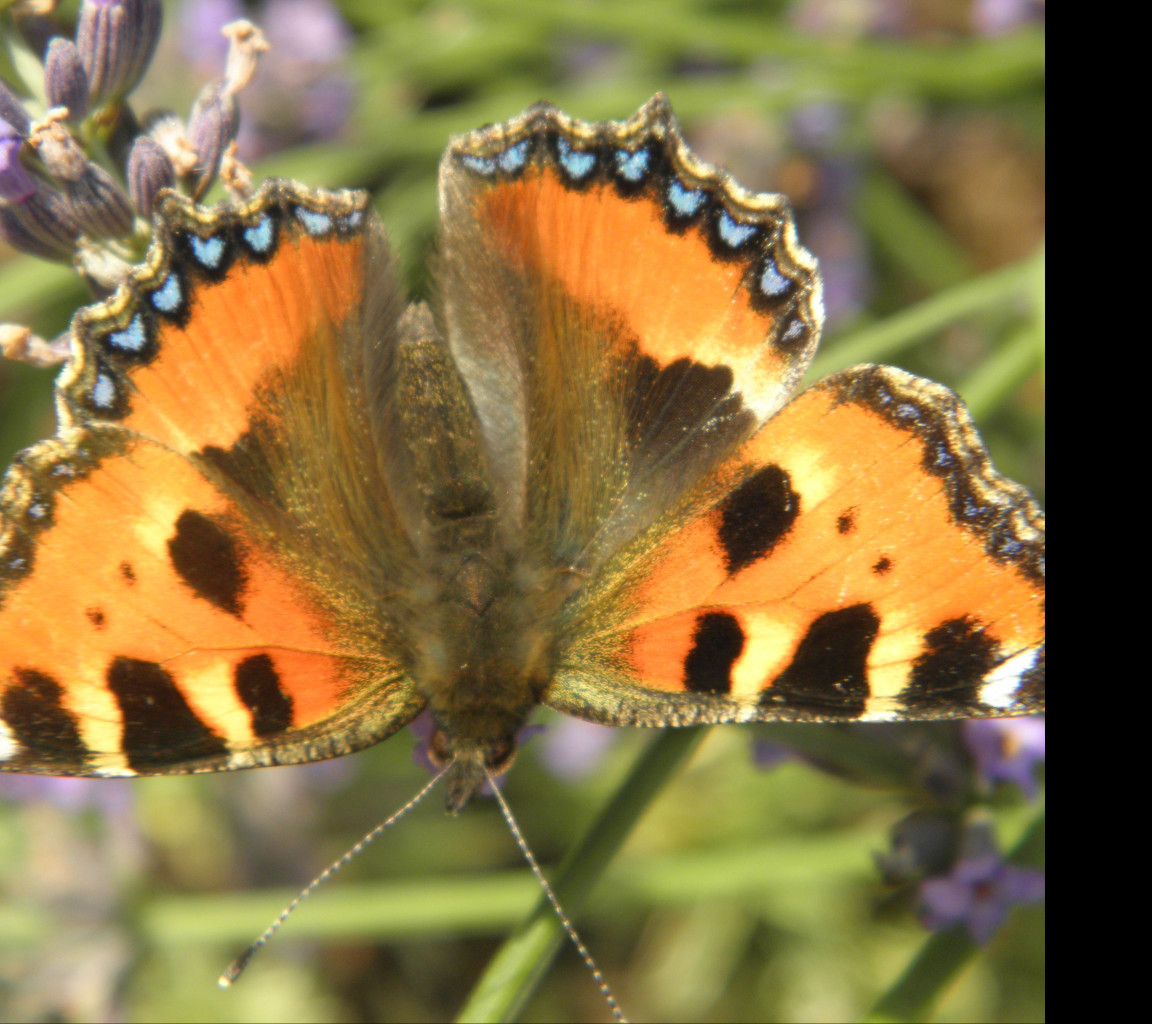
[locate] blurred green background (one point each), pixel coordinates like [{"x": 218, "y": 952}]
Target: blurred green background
[{"x": 909, "y": 135}]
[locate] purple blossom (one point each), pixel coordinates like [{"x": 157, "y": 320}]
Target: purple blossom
[
  {"x": 116, "y": 40},
  {"x": 1007, "y": 750},
  {"x": 768, "y": 755},
  {"x": 111, "y": 796},
  {"x": 995, "y": 17},
  {"x": 301, "y": 93},
  {"x": 12, "y": 110},
  {"x": 573, "y": 747},
  {"x": 212, "y": 126},
  {"x": 149, "y": 171},
  {"x": 844, "y": 261},
  {"x": 16, "y": 183},
  {"x": 978, "y": 893},
  {"x": 422, "y": 728},
  {"x": 200, "y": 38},
  {"x": 306, "y": 30},
  {"x": 65, "y": 81}
]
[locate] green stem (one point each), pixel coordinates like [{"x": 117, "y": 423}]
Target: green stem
[
  {"x": 908, "y": 236},
  {"x": 998, "y": 376},
  {"x": 524, "y": 958}
]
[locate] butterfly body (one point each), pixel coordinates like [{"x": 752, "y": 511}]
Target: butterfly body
[{"x": 286, "y": 510}]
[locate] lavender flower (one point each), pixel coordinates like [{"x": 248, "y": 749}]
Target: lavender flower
[
  {"x": 573, "y": 748},
  {"x": 59, "y": 167},
  {"x": 996, "y": 17},
  {"x": 12, "y": 110},
  {"x": 302, "y": 93},
  {"x": 44, "y": 225},
  {"x": 65, "y": 81},
  {"x": 977, "y": 894},
  {"x": 149, "y": 171},
  {"x": 211, "y": 128},
  {"x": 769, "y": 755},
  {"x": 16, "y": 184},
  {"x": 113, "y": 796},
  {"x": 1007, "y": 750},
  {"x": 116, "y": 40}
]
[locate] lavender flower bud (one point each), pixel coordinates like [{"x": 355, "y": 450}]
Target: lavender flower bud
[
  {"x": 212, "y": 126},
  {"x": 61, "y": 155},
  {"x": 12, "y": 110},
  {"x": 116, "y": 40},
  {"x": 100, "y": 205},
  {"x": 20, "y": 237},
  {"x": 65, "y": 81},
  {"x": 43, "y": 225},
  {"x": 149, "y": 20},
  {"x": 149, "y": 170},
  {"x": 16, "y": 184}
]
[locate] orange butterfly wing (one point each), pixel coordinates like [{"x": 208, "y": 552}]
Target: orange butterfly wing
[
  {"x": 623, "y": 313},
  {"x": 631, "y": 325},
  {"x": 581, "y": 480},
  {"x": 859, "y": 558},
  {"x": 156, "y": 614}
]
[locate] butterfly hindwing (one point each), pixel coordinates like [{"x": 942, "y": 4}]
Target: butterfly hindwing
[
  {"x": 859, "y": 558},
  {"x": 178, "y": 568}
]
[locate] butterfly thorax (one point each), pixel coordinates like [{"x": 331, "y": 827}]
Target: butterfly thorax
[{"x": 481, "y": 611}]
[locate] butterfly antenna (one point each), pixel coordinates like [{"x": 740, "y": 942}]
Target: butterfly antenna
[
  {"x": 566, "y": 924},
  {"x": 236, "y": 968}
]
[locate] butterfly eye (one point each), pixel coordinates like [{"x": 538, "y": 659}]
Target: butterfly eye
[
  {"x": 439, "y": 749},
  {"x": 499, "y": 759}
]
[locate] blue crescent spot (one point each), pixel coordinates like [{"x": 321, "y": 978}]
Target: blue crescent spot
[
  {"x": 1008, "y": 546},
  {"x": 685, "y": 201},
  {"x": 37, "y": 511},
  {"x": 732, "y": 232},
  {"x": 132, "y": 338},
  {"x": 103, "y": 391},
  {"x": 632, "y": 166},
  {"x": 316, "y": 224},
  {"x": 354, "y": 219},
  {"x": 208, "y": 251},
  {"x": 944, "y": 458},
  {"x": 480, "y": 164},
  {"x": 793, "y": 331},
  {"x": 260, "y": 235},
  {"x": 772, "y": 282},
  {"x": 578, "y": 164},
  {"x": 169, "y": 296},
  {"x": 907, "y": 411},
  {"x": 514, "y": 158}
]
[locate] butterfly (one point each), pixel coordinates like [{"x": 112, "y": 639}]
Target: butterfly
[{"x": 286, "y": 510}]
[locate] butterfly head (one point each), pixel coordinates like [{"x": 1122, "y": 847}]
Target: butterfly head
[
  {"x": 477, "y": 720},
  {"x": 469, "y": 766}
]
